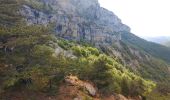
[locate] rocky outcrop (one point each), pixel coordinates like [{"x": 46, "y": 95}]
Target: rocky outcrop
[
  {"x": 73, "y": 80},
  {"x": 68, "y": 54},
  {"x": 75, "y": 19},
  {"x": 73, "y": 83}
]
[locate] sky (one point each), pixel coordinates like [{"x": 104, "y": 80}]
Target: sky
[{"x": 146, "y": 18}]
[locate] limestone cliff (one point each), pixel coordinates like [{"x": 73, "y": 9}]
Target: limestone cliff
[
  {"x": 85, "y": 20},
  {"x": 75, "y": 19}
]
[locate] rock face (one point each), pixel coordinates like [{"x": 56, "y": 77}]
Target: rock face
[
  {"x": 73, "y": 80},
  {"x": 75, "y": 19},
  {"x": 73, "y": 85},
  {"x": 85, "y": 20}
]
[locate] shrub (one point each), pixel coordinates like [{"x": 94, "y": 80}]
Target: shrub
[{"x": 42, "y": 70}]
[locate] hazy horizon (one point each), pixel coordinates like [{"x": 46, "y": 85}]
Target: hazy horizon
[{"x": 146, "y": 18}]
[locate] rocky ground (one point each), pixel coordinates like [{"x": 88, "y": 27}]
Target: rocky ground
[{"x": 71, "y": 89}]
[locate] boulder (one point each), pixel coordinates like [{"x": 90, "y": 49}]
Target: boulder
[{"x": 73, "y": 80}]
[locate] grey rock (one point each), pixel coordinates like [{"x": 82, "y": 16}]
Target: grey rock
[
  {"x": 73, "y": 80},
  {"x": 68, "y": 54},
  {"x": 77, "y": 20},
  {"x": 90, "y": 88}
]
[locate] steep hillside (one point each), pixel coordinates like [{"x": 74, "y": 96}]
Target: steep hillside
[
  {"x": 167, "y": 44},
  {"x": 83, "y": 21},
  {"x": 154, "y": 49},
  {"x": 8, "y": 14},
  {"x": 33, "y": 60},
  {"x": 44, "y": 41},
  {"x": 164, "y": 40},
  {"x": 79, "y": 20},
  {"x": 158, "y": 39}
]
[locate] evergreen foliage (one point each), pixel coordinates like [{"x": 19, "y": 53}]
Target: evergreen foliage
[
  {"x": 8, "y": 12},
  {"x": 32, "y": 64},
  {"x": 28, "y": 59},
  {"x": 154, "y": 49}
]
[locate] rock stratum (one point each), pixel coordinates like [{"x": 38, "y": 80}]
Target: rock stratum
[{"x": 76, "y": 19}]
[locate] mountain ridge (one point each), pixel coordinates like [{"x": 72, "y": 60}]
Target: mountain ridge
[
  {"x": 163, "y": 40},
  {"x": 76, "y": 24},
  {"x": 88, "y": 20}
]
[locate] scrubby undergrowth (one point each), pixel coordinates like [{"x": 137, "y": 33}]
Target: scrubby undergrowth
[{"x": 29, "y": 60}]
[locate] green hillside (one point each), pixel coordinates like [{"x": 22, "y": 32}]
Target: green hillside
[
  {"x": 154, "y": 49},
  {"x": 28, "y": 60},
  {"x": 33, "y": 65},
  {"x": 33, "y": 59},
  {"x": 8, "y": 12}
]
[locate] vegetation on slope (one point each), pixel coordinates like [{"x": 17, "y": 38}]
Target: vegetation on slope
[
  {"x": 139, "y": 61},
  {"x": 153, "y": 68},
  {"x": 39, "y": 5},
  {"x": 28, "y": 60},
  {"x": 9, "y": 12},
  {"x": 154, "y": 49}
]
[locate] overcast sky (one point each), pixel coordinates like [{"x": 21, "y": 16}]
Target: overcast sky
[{"x": 145, "y": 17}]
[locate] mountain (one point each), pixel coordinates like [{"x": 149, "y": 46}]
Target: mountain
[
  {"x": 154, "y": 49},
  {"x": 80, "y": 20},
  {"x": 167, "y": 43},
  {"x": 75, "y": 19},
  {"x": 42, "y": 42},
  {"x": 161, "y": 40}
]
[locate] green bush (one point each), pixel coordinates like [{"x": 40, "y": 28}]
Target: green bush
[
  {"x": 64, "y": 44},
  {"x": 85, "y": 51},
  {"x": 36, "y": 67},
  {"x": 8, "y": 15}
]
